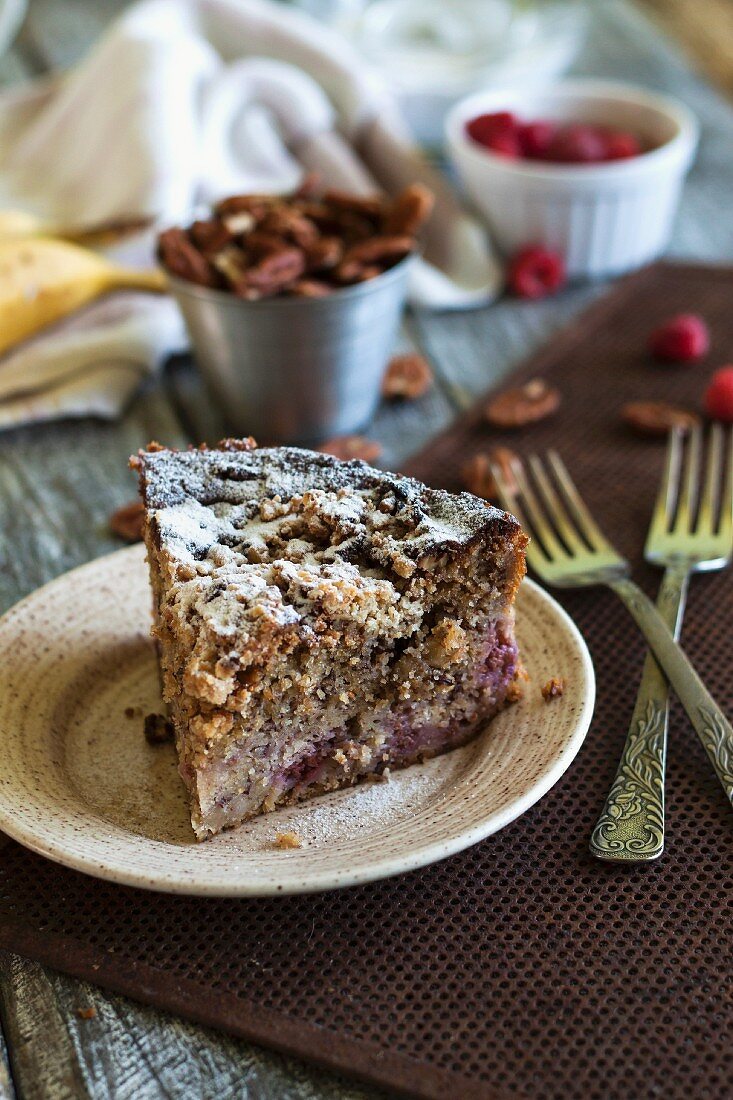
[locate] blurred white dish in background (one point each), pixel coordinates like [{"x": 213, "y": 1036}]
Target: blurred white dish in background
[
  {"x": 432, "y": 53},
  {"x": 12, "y": 14},
  {"x": 603, "y": 218}
]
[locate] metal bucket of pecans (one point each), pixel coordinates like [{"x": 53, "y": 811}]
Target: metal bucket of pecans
[
  {"x": 292, "y": 305},
  {"x": 295, "y": 370}
]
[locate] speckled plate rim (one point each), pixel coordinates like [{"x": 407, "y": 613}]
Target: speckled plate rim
[{"x": 283, "y": 880}]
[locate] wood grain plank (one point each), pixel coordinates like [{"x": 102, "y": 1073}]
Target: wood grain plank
[
  {"x": 128, "y": 1051},
  {"x": 42, "y": 1056},
  {"x": 705, "y": 27},
  {"x": 58, "y": 485},
  {"x": 7, "y": 1091}
]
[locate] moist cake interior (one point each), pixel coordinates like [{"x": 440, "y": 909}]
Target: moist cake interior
[{"x": 319, "y": 622}]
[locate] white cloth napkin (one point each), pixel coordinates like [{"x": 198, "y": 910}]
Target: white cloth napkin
[{"x": 183, "y": 102}]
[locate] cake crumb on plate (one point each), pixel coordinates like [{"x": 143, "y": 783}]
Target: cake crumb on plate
[
  {"x": 288, "y": 840},
  {"x": 553, "y": 689}
]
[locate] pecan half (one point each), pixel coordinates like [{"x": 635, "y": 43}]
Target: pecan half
[
  {"x": 380, "y": 250},
  {"x": 352, "y": 446},
  {"x": 410, "y": 211},
  {"x": 408, "y": 376},
  {"x": 370, "y": 206},
  {"x": 272, "y": 274},
  {"x": 477, "y": 476},
  {"x": 181, "y": 258},
  {"x": 290, "y": 225},
  {"x": 354, "y": 271},
  {"x": 323, "y": 254},
  {"x": 310, "y": 288},
  {"x": 245, "y": 204},
  {"x": 127, "y": 522},
  {"x": 210, "y": 237},
  {"x": 524, "y": 405},
  {"x": 657, "y": 418}
]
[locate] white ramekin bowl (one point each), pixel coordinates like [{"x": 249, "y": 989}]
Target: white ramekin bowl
[{"x": 603, "y": 218}]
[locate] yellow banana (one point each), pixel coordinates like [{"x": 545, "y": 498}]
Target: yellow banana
[
  {"x": 19, "y": 224},
  {"x": 43, "y": 280}
]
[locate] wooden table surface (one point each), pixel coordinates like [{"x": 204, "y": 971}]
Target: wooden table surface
[{"x": 58, "y": 484}]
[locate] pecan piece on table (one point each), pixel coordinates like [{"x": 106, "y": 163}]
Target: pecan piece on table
[
  {"x": 351, "y": 446},
  {"x": 127, "y": 522},
  {"x": 408, "y": 376},
  {"x": 410, "y": 210},
  {"x": 477, "y": 476},
  {"x": 657, "y": 418},
  {"x": 182, "y": 259},
  {"x": 523, "y": 405}
]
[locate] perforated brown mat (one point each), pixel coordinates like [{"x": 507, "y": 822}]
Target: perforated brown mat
[{"x": 522, "y": 967}]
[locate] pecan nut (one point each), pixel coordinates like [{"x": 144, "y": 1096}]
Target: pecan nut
[
  {"x": 369, "y": 206},
  {"x": 127, "y": 522},
  {"x": 210, "y": 237},
  {"x": 181, "y": 258},
  {"x": 477, "y": 475},
  {"x": 410, "y": 211},
  {"x": 258, "y": 246},
  {"x": 407, "y": 376},
  {"x": 380, "y": 250},
  {"x": 311, "y": 288},
  {"x": 347, "y": 447},
  {"x": 657, "y": 418},
  {"x": 272, "y": 273},
  {"x": 527, "y": 404}
]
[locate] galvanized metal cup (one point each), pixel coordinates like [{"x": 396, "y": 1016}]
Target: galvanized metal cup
[{"x": 295, "y": 370}]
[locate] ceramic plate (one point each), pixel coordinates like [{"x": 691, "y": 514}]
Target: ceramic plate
[{"x": 80, "y": 785}]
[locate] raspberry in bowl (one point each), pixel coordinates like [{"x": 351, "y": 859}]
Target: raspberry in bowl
[
  {"x": 590, "y": 170},
  {"x": 552, "y": 142}
]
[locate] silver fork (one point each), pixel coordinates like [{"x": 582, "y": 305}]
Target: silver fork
[
  {"x": 683, "y": 539},
  {"x": 569, "y": 550}
]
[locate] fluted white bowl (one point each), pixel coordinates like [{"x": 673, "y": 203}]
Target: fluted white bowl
[{"x": 605, "y": 218}]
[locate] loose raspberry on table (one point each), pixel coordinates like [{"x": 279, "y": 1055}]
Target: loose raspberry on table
[
  {"x": 719, "y": 395},
  {"x": 683, "y": 338},
  {"x": 535, "y": 272}
]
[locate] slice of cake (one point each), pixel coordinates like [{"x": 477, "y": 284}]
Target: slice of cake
[{"x": 319, "y": 621}]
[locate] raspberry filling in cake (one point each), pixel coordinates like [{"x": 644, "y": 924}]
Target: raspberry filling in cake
[{"x": 318, "y": 621}]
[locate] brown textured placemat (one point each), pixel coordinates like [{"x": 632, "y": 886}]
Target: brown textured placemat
[{"x": 521, "y": 967}]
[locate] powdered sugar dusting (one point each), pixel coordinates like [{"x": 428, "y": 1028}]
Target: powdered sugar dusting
[{"x": 205, "y": 497}]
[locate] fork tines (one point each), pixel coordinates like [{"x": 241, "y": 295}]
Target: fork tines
[
  {"x": 687, "y": 505},
  {"x": 548, "y": 505},
  {"x": 566, "y": 538}
]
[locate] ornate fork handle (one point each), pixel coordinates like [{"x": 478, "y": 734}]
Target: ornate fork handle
[
  {"x": 711, "y": 725},
  {"x": 631, "y": 826}
]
